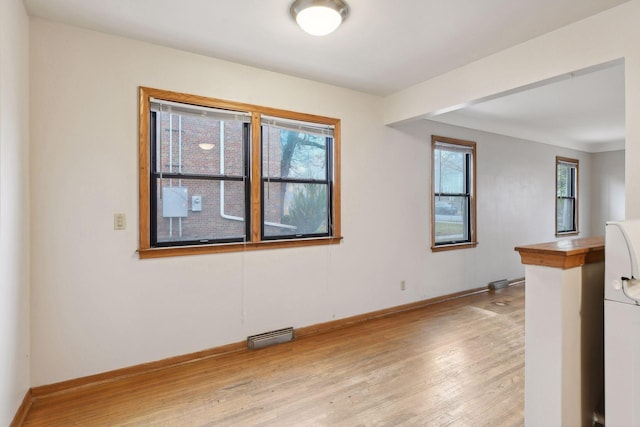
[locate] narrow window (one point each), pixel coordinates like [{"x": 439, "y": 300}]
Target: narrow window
[
  {"x": 453, "y": 202},
  {"x": 221, "y": 176},
  {"x": 566, "y": 196}
]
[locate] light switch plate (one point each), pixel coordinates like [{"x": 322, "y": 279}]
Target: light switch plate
[{"x": 119, "y": 221}]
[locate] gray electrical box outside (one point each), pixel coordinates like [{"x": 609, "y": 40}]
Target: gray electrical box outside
[
  {"x": 175, "y": 202},
  {"x": 196, "y": 203}
]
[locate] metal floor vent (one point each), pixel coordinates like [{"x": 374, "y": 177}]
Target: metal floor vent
[
  {"x": 266, "y": 339},
  {"x": 498, "y": 284}
]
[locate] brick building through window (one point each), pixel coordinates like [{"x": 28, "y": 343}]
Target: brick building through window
[{"x": 227, "y": 176}]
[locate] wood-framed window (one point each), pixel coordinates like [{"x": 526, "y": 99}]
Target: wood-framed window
[
  {"x": 453, "y": 193},
  {"x": 222, "y": 176},
  {"x": 566, "y": 196}
]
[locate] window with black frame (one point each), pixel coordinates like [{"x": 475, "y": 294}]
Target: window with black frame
[
  {"x": 296, "y": 178},
  {"x": 221, "y": 176},
  {"x": 566, "y": 196},
  {"x": 199, "y": 174},
  {"x": 453, "y": 193}
]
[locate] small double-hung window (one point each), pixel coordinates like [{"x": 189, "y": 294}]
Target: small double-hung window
[
  {"x": 296, "y": 184},
  {"x": 199, "y": 174},
  {"x": 220, "y": 176},
  {"x": 566, "y": 196},
  {"x": 453, "y": 201}
]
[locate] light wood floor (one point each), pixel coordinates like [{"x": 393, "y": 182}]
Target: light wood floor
[{"x": 458, "y": 363}]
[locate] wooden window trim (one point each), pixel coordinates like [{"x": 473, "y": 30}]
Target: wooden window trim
[
  {"x": 472, "y": 197},
  {"x": 146, "y": 251},
  {"x": 576, "y": 162}
]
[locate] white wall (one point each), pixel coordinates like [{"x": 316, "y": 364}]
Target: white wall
[
  {"x": 516, "y": 194},
  {"x": 97, "y": 307},
  {"x": 610, "y": 35},
  {"x": 14, "y": 208},
  {"x": 607, "y": 186}
]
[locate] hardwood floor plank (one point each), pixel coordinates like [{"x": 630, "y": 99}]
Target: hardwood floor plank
[{"x": 458, "y": 363}]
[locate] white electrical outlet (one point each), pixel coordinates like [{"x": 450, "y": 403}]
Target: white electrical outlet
[
  {"x": 403, "y": 285},
  {"x": 119, "y": 221}
]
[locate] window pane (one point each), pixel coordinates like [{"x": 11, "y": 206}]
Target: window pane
[
  {"x": 291, "y": 154},
  {"x": 566, "y": 193},
  {"x": 192, "y": 144},
  {"x": 196, "y": 210},
  {"x": 295, "y": 209},
  {"x": 565, "y": 180},
  {"x": 451, "y": 219},
  {"x": 449, "y": 171},
  {"x": 565, "y": 215}
]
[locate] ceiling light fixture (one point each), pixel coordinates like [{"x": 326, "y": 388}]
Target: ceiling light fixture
[{"x": 319, "y": 17}]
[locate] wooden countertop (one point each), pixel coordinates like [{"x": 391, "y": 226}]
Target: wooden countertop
[{"x": 564, "y": 253}]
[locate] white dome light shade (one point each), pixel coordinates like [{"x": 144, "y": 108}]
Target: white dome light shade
[
  {"x": 206, "y": 146},
  {"x": 319, "y": 17},
  {"x": 319, "y": 20}
]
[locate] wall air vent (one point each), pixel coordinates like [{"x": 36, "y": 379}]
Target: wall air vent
[{"x": 266, "y": 339}]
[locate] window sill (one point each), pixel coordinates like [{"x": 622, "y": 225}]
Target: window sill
[
  {"x": 568, "y": 233},
  {"x": 442, "y": 248},
  {"x": 234, "y": 247}
]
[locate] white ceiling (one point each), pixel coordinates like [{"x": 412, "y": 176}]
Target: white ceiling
[
  {"x": 383, "y": 46},
  {"x": 583, "y": 110}
]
